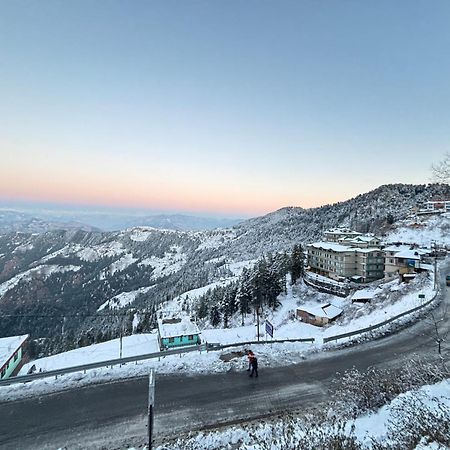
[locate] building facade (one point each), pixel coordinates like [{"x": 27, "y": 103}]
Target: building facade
[
  {"x": 177, "y": 332},
  {"x": 342, "y": 262},
  {"x": 11, "y": 354}
]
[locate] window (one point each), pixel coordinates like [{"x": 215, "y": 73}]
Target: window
[
  {"x": 171, "y": 340},
  {"x": 190, "y": 337},
  {"x": 16, "y": 356}
]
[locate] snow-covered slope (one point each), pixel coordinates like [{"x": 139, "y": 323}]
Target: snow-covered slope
[{"x": 113, "y": 265}]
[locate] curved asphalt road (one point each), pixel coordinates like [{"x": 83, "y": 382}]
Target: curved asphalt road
[{"x": 113, "y": 416}]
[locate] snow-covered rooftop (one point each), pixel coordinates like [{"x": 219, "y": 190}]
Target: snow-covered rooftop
[
  {"x": 341, "y": 230},
  {"x": 176, "y": 327},
  {"x": 8, "y": 346},
  {"x": 408, "y": 254},
  {"x": 328, "y": 310},
  {"x": 363, "y": 294},
  {"x": 366, "y": 250},
  {"x": 332, "y": 246}
]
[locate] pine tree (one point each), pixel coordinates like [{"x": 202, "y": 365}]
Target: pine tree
[
  {"x": 214, "y": 316},
  {"x": 297, "y": 265},
  {"x": 243, "y": 295}
]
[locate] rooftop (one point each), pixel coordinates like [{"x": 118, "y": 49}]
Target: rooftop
[
  {"x": 332, "y": 247},
  {"x": 327, "y": 310},
  {"x": 176, "y": 327}
]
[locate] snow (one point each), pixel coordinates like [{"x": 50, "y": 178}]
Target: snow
[
  {"x": 65, "y": 251},
  {"x": 140, "y": 234},
  {"x": 106, "y": 250},
  {"x": 215, "y": 239},
  {"x": 363, "y": 294},
  {"x": 124, "y": 299},
  {"x": 43, "y": 271},
  {"x": 331, "y": 246},
  {"x": 134, "y": 345},
  {"x": 392, "y": 298},
  {"x": 368, "y": 429},
  {"x": 9, "y": 345},
  {"x": 175, "y": 305},
  {"x": 179, "y": 327},
  {"x": 328, "y": 310},
  {"x": 170, "y": 263},
  {"x": 122, "y": 263},
  {"x": 423, "y": 232},
  {"x": 375, "y": 425}
]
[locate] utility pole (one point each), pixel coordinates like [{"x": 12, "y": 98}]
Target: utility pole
[
  {"x": 151, "y": 401},
  {"x": 120, "y": 351},
  {"x": 257, "y": 321}
]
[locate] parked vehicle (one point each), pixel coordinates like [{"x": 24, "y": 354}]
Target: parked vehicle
[{"x": 447, "y": 279}]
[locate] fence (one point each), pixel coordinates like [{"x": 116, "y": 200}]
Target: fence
[{"x": 378, "y": 325}]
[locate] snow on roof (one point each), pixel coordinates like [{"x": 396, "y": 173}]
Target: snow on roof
[
  {"x": 363, "y": 294},
  {"x": 363, "y": 239},
  {"x": 408, "y": 254},
  {"x": 367, "y": 250},
  {"x": 327, "y": 310},
  {"x": 397, "y": 248},
  {"x": 176, "y": 327},
  {"x": 332, "y": 246},
  {"x": 8, "y": 347},
  {"x": 342, "y": 230}
]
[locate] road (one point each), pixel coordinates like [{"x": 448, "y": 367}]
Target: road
[{"x": 112, "y": 416}]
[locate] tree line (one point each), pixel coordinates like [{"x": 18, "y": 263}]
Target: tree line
[{"x": 257, "y": 288}]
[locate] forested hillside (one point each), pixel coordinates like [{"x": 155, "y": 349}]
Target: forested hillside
[{"x": 76, "y": 287}]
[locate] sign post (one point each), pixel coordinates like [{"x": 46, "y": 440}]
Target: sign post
[
  {"x": 151, "y": 401},
  {"x": 269, "y": 329}
]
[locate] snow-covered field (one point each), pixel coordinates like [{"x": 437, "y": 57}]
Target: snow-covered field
[{"x": 137, "y": 344}]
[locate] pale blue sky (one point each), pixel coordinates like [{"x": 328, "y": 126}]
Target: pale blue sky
[{"x": 232, "y": 106}]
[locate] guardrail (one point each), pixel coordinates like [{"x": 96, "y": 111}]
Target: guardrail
[
  {"x": 378, "y": 325},
  {"x": 111, "y": 362},
  {"x": 119, "y": 361},
  {"x": 239, "y": 344}
]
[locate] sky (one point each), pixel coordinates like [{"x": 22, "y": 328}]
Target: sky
[{"x": 226, "y": 107}]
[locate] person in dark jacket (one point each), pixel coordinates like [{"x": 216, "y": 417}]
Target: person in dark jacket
[
  {"x": 250, "y": 355},
  {"x": 254, "y": 365}
]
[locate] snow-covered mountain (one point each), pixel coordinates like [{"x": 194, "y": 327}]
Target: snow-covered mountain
[
  {"x": 24, "y": 222},
  {"x": 83, "y": 283}
]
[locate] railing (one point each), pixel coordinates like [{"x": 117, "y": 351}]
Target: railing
[
  {"x": 111, "y": 362},
  {"x": 119, "y": 361},
  {"x": 378, "y": 325},
  {"x": 328, "y": 287}
]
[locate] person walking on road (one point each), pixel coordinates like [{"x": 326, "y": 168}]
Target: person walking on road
[
  {"x": 250, "y": 355},
  {"x": 254, "y": 365}
]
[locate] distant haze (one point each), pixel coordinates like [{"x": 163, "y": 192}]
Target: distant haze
[{"x": 14, "y": 217}]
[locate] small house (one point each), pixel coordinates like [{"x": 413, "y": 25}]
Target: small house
[
  {"x": 363, "y": 296},
  {"x": 319, "y": 315},
  {"x": 177, "y": 332},
  {"x": 11, "y": 353}
]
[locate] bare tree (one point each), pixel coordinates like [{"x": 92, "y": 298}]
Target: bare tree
[{"x": 441, "y": 170}]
